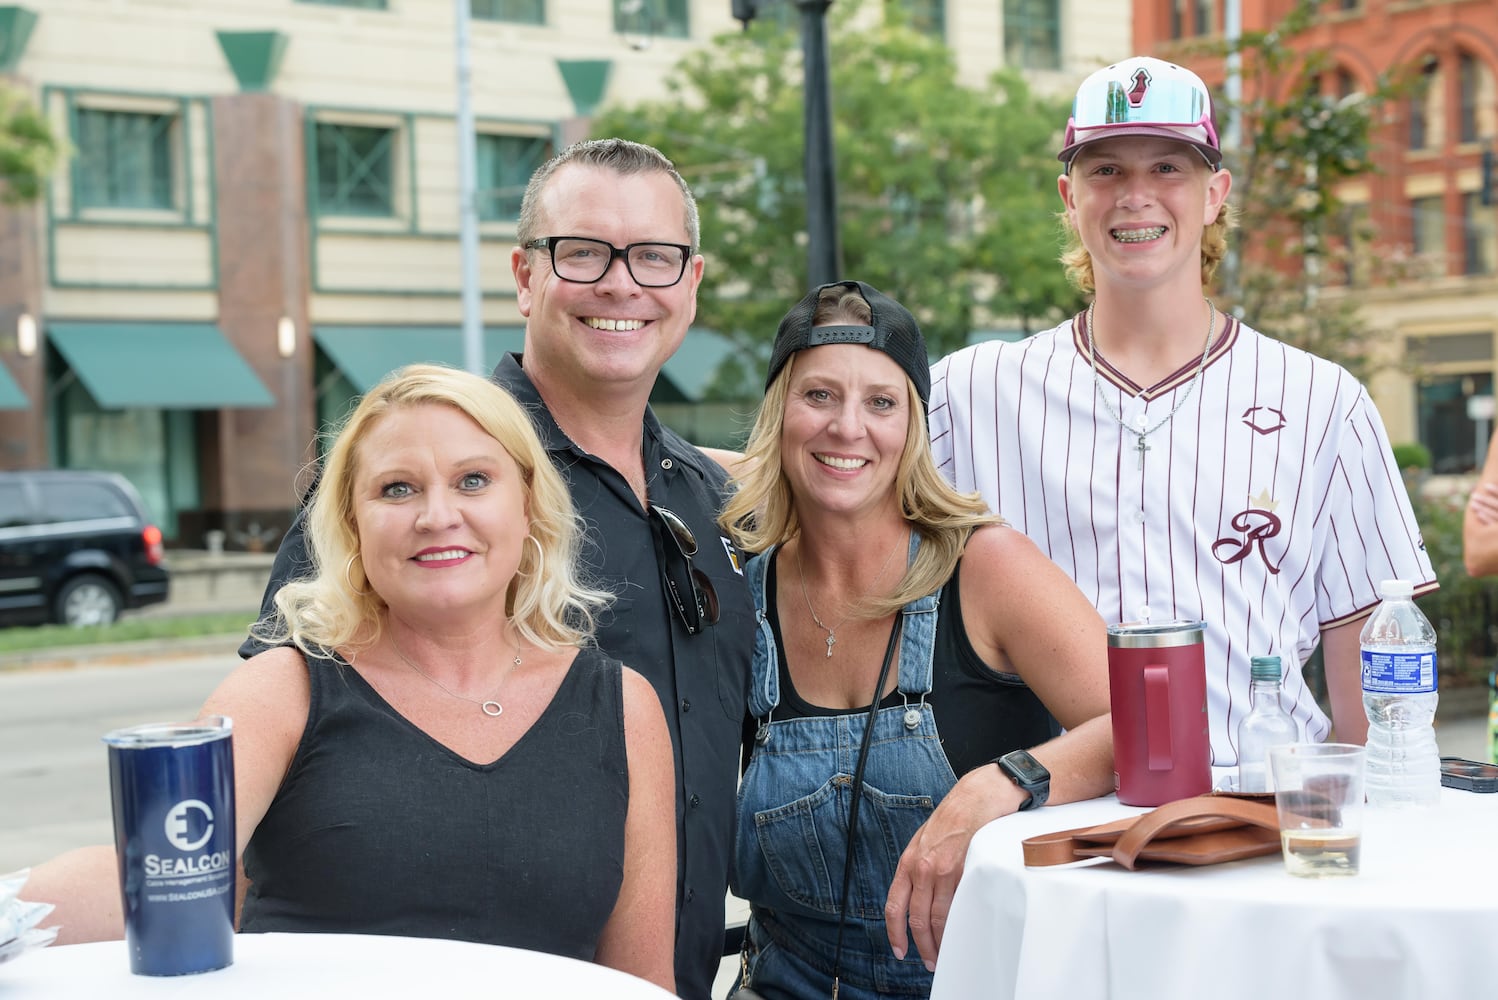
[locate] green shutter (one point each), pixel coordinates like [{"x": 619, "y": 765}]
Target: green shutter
[
  {"x": 585, "y": 80},
  {"x": 366, "y": 4},
  {"x": 125, "y": 159},
  {"x": 505, "y": 164},
  {"x": 355, "y": 170},
  {"x": 652, "y": 18},
  {"x": 254, "y": 56},
  {"x": 514, "y": 11},
  {"x": 15, "y": 31},
  {"x": 926, "y": 16},
  {"x": 1032, "y": 34}
]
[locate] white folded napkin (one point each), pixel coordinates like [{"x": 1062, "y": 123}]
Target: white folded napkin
[{"x": 18, "y": 919}]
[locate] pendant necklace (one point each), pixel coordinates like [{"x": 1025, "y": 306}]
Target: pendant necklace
[
  {"x": 1117, "y": 414},
  {"x": 489, "y": 706},
  {"x": 832, "y": 630}
]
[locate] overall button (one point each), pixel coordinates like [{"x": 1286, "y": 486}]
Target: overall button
[
  {"x": 686, "y": 704},
  {"x": 695, "y": 800},
  {"x": 666, "y": 463}
]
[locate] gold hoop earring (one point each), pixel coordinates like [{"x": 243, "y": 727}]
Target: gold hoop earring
[
  {"x": 540, "y": 565},
  {"x": 347, "y": 568}
]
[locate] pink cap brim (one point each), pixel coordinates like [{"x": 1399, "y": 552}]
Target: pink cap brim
[{"x": 1211, "y": 155}]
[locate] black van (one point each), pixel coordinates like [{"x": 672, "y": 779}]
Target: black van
[{"x": 76, "y": 548}]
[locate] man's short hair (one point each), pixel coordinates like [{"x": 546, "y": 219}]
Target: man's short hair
[{"x": 622, "y": 156}]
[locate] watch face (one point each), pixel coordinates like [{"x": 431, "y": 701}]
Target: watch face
[{"x": 1030, "y": 770}]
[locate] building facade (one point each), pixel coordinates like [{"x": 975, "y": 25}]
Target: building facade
[
  {"x": 259, "y": 214},
  {"x": 1425, "y": 204}
]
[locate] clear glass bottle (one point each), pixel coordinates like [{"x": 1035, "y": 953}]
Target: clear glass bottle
[
  {"x": 1266, "y": 725},
  {"x": 1399, "y": 695}
]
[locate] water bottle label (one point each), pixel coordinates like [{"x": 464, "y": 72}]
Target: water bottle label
[{"x": 1399, "y": 673}]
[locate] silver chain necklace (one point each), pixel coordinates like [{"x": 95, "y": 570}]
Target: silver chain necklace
[
  {"x": 1117, "y": 414},
  {"x": 489, "y": 706},
  {"x": 832, "y": 631}
]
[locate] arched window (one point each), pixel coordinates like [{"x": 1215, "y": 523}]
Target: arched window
[
  {"x": 1476, "y": 115},
  {"x": 1426, "y": 104},
  {"x": 1205, "y": 16},
  {"x": 1344, "y": 84}
]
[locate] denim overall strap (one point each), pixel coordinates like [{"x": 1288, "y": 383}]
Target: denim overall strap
[
  {"x": 764, "y": 671},
  {"x": 918, "y": 639},
  {"x": 917, "y": 643}
]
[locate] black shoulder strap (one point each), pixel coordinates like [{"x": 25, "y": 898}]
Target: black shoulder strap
[{"x": 863, "y": 756}]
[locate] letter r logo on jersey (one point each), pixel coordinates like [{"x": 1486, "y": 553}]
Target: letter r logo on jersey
[{"x": 183, "y": 819}]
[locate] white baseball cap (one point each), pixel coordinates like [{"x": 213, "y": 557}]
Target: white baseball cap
[{"x": 1143, "y": 96}]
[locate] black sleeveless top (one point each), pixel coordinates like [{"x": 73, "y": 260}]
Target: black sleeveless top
[
  {"x": 379, "y": 829},
  {"x": 980, "y": 713}
]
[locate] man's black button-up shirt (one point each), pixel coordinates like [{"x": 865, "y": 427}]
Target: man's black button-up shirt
[{"x": 701, "y": 679}]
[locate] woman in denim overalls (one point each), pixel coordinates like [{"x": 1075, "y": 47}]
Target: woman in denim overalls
[{"x": 861, "y": 548}]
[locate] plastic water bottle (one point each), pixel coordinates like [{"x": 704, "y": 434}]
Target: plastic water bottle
[
  {"x": 1266, "y": 725},
  {"x": 1399, "y": 695}
]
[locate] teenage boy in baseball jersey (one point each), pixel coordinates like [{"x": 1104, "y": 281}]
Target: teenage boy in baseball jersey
[{"x": 1177, "y": 464}]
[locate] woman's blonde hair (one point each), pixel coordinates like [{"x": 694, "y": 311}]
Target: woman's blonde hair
[
  {"x": 763, "y": 512},
  {"x": 335, "y": 607},
  {"x": 1078, "y": 262}
]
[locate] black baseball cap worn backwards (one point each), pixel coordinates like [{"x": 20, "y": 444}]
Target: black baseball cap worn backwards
[{"x": 894, "y": 332}]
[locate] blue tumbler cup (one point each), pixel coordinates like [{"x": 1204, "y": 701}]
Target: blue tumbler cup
[{"x": 172, "y": 786}]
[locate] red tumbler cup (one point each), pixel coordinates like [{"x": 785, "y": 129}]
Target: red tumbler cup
[{"x": 1157, "y": 678}]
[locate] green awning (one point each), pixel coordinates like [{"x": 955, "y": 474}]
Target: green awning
[
  {"x": 11, "y": 396},
  {"x": 172, "y": 366},
  {"x": 366, "y": 354}
]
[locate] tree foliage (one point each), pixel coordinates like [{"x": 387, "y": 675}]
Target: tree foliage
[
  {"x": 947, "y": 196},
  {"x": 28, "y": 149}
]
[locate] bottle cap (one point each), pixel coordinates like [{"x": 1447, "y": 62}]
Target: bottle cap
[
  {"x": 1264, "y": 668},
  {"x": 1396, "y": 589}
]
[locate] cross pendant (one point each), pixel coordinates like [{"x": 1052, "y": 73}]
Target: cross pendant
[
  {"x": 1142, "y": 449},
  {"x": 831, "y": 638}
]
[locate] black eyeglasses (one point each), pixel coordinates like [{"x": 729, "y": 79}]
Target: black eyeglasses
[
  {"x": 585, "y": 261},
  {"x": 679, "y": 576}
]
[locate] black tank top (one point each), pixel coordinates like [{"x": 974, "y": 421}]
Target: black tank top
[
  {"x": 379, "y": 829},
  {"x": 980, "y": 713}
]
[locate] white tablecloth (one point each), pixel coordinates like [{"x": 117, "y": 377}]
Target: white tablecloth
[
  {"x": 1419, "y": 921},
  {"x": 332, "y": 966}
]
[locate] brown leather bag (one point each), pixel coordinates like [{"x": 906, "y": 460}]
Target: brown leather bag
[{"x": 1201, "y": 830}]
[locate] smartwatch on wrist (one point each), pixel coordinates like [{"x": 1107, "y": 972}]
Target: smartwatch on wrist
[{"x": 1021, "y": 767}]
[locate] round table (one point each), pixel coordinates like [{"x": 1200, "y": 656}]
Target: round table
[
  {"x": 1416, "y": 922},
  {"x": 366, "y": 966}
]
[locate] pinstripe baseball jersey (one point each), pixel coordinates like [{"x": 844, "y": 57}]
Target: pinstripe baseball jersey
[{"x": 1269, "y": 506}]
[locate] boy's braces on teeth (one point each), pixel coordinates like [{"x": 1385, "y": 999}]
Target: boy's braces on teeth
[{"x": 1138, "y": 235}]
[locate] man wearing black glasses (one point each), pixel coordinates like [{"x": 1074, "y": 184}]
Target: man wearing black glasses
[
  {"x": 1176, "y": 463},
  {"x": 606, "y": 274}
]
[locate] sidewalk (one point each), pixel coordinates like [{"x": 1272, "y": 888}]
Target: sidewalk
[{"x": 204, "y": 582}]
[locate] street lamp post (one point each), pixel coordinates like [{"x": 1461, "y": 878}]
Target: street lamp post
[
  {"x": 824, "y": 252},
  {"x": 468, "y": 224}
]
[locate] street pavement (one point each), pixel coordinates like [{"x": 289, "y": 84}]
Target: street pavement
[{"x": 54, "y": 785}]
